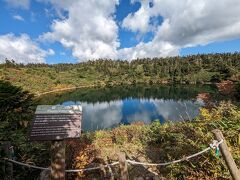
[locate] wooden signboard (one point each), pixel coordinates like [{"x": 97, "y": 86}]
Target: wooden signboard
[{"x": 56, "y": 123}]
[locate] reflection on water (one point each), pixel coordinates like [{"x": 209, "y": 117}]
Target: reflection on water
[
  {"x": 110, "y": 114},
  {"x": 110, "y": 107}
]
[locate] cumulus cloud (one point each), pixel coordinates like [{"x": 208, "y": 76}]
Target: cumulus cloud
[
  {"x": 18, "y": 17},
  {"x": 18, "y": 3},
  {"x": 186, "y": 23},
  {"x": 89, "y": 29},
  {"x": 22, "y": 49},
  {"x": 138, "y": 21},
  {"x": 199, "y": 22},
  {"x": 151, "y": 49}
]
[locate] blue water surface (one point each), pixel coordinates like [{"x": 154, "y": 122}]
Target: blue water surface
[{"x": 105, "y": 115}]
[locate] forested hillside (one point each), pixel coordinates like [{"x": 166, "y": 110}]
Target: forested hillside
[{"x": 208, "y": 68}]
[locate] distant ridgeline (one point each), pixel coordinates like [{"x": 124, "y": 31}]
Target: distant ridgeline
[{"x": 209, "y": 68}]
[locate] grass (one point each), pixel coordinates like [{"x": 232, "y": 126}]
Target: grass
[
  {"x": 43, "y": 79},
  {"x": 160, "y": 143}
]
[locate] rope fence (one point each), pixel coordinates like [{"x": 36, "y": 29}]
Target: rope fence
[
  {"x": 93, "y": 168},
  {"x": 214, "y": 145},
  {"x": 26, "y": 165}
]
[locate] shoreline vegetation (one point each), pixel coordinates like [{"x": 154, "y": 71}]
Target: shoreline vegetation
[
  {"x": 121, "y": 84},
  {"x": 146, "y": 143}
]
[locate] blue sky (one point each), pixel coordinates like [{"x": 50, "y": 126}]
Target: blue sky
[{"x": 48, "y": 31}]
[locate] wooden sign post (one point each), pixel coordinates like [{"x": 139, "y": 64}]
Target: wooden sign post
[
  {"x": 56, "y": 124},
  {"x": 58, "y": 160}
]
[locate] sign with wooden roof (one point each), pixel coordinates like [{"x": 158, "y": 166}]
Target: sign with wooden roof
[{"x": 56, "y": 122}]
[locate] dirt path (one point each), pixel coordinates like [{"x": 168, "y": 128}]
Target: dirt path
[{"x": 63, "y": 89}]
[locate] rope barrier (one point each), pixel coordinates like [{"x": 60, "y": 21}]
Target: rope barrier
[
  {"x": 94, "y": 168},
  {"x": 171, "y": 162},
  {"x": 24, "y": 164},
  {"x": 69, "y": 170},
  {"x": 214, "y": 145}
]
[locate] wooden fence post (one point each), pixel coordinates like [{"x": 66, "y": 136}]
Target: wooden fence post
[
  {"x": 103, "y": 171},
  {"x": 235, "y": 173},
  {"x": 110, "y": 170},
  {"x": 58, "y": 160},
  {"x": 8, "y": 151},
  {"x": 123, "y": 166}
]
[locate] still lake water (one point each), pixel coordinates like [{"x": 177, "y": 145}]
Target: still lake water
[{"x": 109, "y": 107}]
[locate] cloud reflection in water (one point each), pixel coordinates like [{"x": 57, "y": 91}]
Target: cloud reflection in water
[{"x": 110, "y": 114}]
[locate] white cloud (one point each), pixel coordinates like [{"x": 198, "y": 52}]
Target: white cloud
[
  {"x": 89, "y": 29},
  {"x": 186, "y": 23},
  {"x": 18, "y": 17},
  {"x": 138, "y": 21},
  {"x": 51, "y": 52},
  {"x": 151, "y": 49},
  {"x": 21, "y": 49},
  {"x": 199, "y": 22},
  {"x": 18, "y": 3}
]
